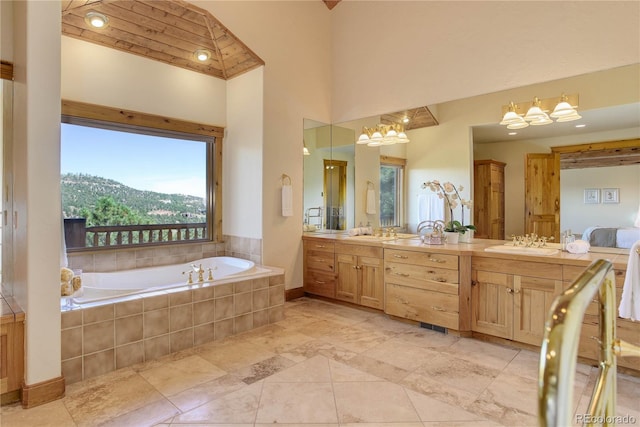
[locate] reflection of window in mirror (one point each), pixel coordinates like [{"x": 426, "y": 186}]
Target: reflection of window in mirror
[{"x": 392, "y": 191}]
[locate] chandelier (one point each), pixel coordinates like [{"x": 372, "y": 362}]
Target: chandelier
[
  {"x": 383, "y": 135},
  {"x": 536, "y": 115}
]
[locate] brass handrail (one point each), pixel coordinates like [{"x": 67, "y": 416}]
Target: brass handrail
[{"x": 558, "y": 355}]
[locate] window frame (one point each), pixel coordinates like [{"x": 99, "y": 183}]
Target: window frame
[
  {"x": 401, "y": 164},
  {"x": 84, "y": 114}
]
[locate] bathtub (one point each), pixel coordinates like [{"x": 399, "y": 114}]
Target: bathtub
[{"x": 103, "y": 286}]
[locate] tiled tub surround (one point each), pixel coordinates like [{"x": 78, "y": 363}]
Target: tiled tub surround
[
  {"x": 104, "y": 337},
  {"x": 126, "y": 259}
]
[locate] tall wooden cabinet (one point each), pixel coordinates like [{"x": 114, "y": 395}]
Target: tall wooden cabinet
[{"x": 488, "y": 199}]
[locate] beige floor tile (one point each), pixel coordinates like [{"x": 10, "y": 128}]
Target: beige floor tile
[
  {"x": 373, "y": 402},
  {"x": 378, "y": 368},
  {"x": 425, "y": 338},
  {"x": 432, "y": 410},
  {"x": 53, "y": 414},
  {"x": 234, "y": 354},
  {"x": 313, "y": 370},
  {"x": 148, "y": 415},
  {"x": 315, "y": 347},
  {"x": 297, "y": 403},
  {"x": 493, "y": 356},
  {"x": 175, "y": 376},
  {"x": 424, "y": 384},
  {"x": 401, "y": 354},
  {"x": 206, "y": 392},
  {"x": 237, "y": 407},
  {"x": 344, "y": 373},
  {"x": 279, "y": 340},
  {"x": 263, "y": 369},
  {"x": 100, "y": 399}
]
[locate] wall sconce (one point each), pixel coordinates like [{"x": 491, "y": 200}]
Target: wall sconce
[
  {"x": 564, "y": 109},
  {"x": 383, "y": 135},
  {"x": 96, "y": 19}
]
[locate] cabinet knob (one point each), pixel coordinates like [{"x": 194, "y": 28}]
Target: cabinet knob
[
  {"x": 509, "y": 290},
  {"x": 357, "y": 267}
]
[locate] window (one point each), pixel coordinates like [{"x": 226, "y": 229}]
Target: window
[
  {"x": 125, "y": 184},
  {"x": 391, "y": 191}
]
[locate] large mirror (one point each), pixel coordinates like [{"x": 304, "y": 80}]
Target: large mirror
[
  {"x": 6, "y": 224},
  {"x": 610, "y": 117},
  {"x": 329, "y": 173}
]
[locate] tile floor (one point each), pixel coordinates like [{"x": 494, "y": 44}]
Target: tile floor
[{"x": 323, "y": 365}]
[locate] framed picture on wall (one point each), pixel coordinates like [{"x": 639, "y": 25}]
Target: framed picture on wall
[
  {"x": 592, "y": 195},
  {"x": 610, "y": 195}
]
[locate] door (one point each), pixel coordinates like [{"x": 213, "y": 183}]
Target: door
[
  {"x": 348, "y": 276},
  {"x": 335, "y": 193},
  {"x": 542, "y": 195},
  {"x": 532, "y": 300},
  {"x": 492, "y": 303},
  {"x": 372, "y": 282}
]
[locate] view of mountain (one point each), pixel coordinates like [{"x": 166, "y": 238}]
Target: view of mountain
[{"x": 83, "y": 191}]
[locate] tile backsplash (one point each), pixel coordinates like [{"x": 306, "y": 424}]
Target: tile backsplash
[{"x": 130, "y": 258}]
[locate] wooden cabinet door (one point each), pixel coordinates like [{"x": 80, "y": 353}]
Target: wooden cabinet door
[
  {"x": 532, "y": 300},
  {"x": 492, "y": 303},
  {"x": 371, "y": 282},
  {"x": 348, "y": 275}
]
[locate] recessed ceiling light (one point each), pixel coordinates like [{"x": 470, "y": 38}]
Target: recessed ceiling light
[
  {"x": 96, "y": 20},
  {"x": 581, "y": 126},
  {"x": 513, "y": 133},
  {"x": 202, "y": 55}
]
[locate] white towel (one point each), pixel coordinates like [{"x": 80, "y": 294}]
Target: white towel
[
  {"x": 287, "y": 200},
  {"x": 360, "y": 231},
  {"x": 430, "y": 207},
  {"x": 578, "y": 247},
  {"x": 371, "y": 201},
  {"x": 630, "y": 301}
]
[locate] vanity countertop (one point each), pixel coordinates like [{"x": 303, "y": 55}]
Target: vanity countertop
[{"x": 619, "y": 257}]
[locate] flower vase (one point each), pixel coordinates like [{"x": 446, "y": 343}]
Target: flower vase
[
  {"x": 466, "y": 237},
  {"x": 452, "y": 237}
]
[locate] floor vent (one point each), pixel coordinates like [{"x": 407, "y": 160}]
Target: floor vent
[{"x": 433, "y": 327}]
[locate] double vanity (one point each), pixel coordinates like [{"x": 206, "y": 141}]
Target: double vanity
[{"x": 487, "y": 289}]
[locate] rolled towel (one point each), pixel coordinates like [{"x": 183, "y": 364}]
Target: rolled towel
[{"x": 578, "y": 247}]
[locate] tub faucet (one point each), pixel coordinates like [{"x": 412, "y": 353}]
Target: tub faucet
[{"x": 200, "y": 272}]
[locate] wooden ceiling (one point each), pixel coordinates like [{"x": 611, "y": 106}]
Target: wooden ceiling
[
  {"x": 418, "y": 118},
  {"x": 331, "y": 4},
  {"x": 168, "y": 31},
  {"x": 603, "y": 154}
]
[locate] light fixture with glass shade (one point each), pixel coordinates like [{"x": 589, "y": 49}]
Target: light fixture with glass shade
[
  {"x": 563, "y": 110},
  {"x": 383, "y": 135},
  {"x": 96, "y": 19},
  {"x": 202, "y": 55}
]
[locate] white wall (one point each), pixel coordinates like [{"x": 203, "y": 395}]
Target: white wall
[
  {"x": 293, "y": 38},
  {"x": 242, "y": 156},
  {"x": 37, "y": 232},
  {"x": 390, "y": 55},
  {"x": 577, "y": 216},
  {"x": 98, "y": 75}
]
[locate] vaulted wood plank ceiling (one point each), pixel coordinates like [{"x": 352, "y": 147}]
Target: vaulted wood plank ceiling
[{"x": 166, "y": 31}]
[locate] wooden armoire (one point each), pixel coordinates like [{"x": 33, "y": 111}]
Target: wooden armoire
[{"x": 488, "y": 199}]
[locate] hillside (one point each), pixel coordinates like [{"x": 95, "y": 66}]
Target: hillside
[{"x": 82, "y": 191}]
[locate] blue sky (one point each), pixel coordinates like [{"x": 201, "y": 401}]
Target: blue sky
[{"x": 143, "y": 162}]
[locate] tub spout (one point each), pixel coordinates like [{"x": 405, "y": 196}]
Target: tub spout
[{"x": 200, "y": 272}]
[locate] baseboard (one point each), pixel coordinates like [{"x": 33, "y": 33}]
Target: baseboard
[
  {"x": 294, "y": 293},
  {"x": 43, "y": 392}
]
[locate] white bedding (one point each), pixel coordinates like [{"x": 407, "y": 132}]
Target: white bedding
[{"x": 625, "y": 237}]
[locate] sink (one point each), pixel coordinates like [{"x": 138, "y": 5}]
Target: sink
[{"x": 522, "y": 250}]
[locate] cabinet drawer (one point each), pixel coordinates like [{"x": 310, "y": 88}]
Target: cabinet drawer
[
  {"x": 319, "y": 246},
  {"x": 428, "y": 259},
  {"x": 359, "y": 250},
  {"x": 320, "y": 284},
  {"x": 321, "y": 261},
  {"x": 418, "y": 276},
  {"x": 421, "y": 305}
]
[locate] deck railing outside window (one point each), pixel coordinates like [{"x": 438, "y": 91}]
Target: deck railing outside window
[{"x": 79, "y": 236}]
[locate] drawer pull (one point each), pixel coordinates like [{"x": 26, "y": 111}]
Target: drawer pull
[
  {"x": 320, "y": 259},
  {"x": 320, "y": 282},
  {"x": 437, "y": 260},
  {"x": 320, "y": 246},
  {"x": 357, "y": 267},
  {"x": 440, "y": 279},
  {"x": 437, "y": 308},
  {"x": 400, "y": 256},
  {"x": 401, "y": 274}
]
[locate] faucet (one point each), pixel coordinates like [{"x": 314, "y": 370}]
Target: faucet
[{"x": 200, "y": 272}]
